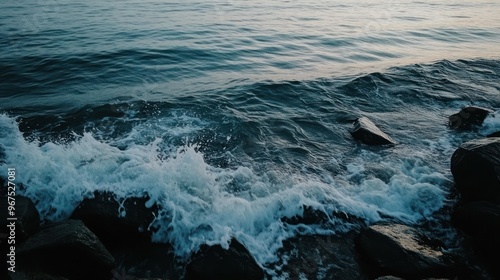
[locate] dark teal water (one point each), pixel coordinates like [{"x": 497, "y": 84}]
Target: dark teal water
[{"x": 232, "y": 115}]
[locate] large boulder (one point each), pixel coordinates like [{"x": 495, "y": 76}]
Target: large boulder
[
  {"x": 68, "y": 249},
  {"x": 214, "y": 262},
  {"x": 367, "y": 132},
  {"x": 399, "y": 250},
  {"x": 468, "y": 117},
  {"x": 117, "y": 223},
  {"x": 475, "y": 166},
  {"x": 481, "y": 220},
  {"x": 28, "y": 218}
]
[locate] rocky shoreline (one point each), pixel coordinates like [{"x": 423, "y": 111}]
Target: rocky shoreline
[{"x": 110, "y": 239}]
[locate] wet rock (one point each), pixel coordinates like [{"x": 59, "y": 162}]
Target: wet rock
[
  {"x": 214, "y": 262},
  {"x": 68, "y": 249},
  {"x": 476, "y": 168},
  {"x": 311, "y": 216},
  {"x": 147, "y": 261},
  {"x": 481, "y": 220},
  {"x": 332, "y": 256},
  {"x": 368, "y": 133},
  {"x": 468, "y": 117},
  {"x": 117, "y": 223},
  {"x": 398, "y": 250},
  {"x": 28, "y": 218}
]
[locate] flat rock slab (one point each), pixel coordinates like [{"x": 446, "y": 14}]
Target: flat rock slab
[
  {"x": 468, "y": 117},
  {"x": 368, "y": 133},
  {"x": 214, "y": 262},
  {"x": 68, "y": 249},
  {"x": 397, "y": 250},
  {"x": 475, "y": 166}
]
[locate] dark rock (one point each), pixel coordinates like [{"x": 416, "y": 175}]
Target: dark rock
[
  {"x": 367, "y": 132},
  {"x": 468, "y": 117},
  {"x": 101, "y": 215},
  {"x": 67, "y": 249},
  {"x": 333, "y": 256},
  {"x": 148, "y": 261},
  {"x": 28, "y": 218},
  {"x": 476, "y": 168},
  {"x": 494, "y": 134},
  {"x": 481, "y": 220},
  {"x": 398, "y": 250},
  {"x": 216, "y": 263},
  {"x": 309, "y": 216},
  {"x": 312, "y": 216}
]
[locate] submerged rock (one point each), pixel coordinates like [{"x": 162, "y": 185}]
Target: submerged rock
[
  {"x": 115, "y": 223},
  {"x": 468, "y": 117},
  {"x": 476, "y": 168},
  {"x": 398, "y": 250},
  {"x": 28, "y": 218},
  {"x": 67, "y": 249},
  {"x": 367, "y": 132},
  {"x": 214, "y": 262},
  {"x": 146, "y": 261}
]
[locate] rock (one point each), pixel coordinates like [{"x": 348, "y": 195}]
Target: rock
[
  {"x": 311, "y": 216},
  {"x": 101, "y": 215},
  {"x": 468, "y": 117},
  {"x": 367, "y": 132},
  {"x": 148, "y": 261},
  {"x": 333, "y": 256},
  {"x": 28, "y": 218},
  {"x": 481, "y": 220},
  {"x": 476, "y": 168},
  {"x": 398, "y": 250},
  {"x": 68, "y": 249},
  {"x": 216, "y": 263}
]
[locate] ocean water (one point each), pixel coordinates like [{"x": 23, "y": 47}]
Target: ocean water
[{"x": 234, "y": 115}]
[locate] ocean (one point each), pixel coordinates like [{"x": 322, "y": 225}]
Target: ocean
[{"x": 233, "y": 115}]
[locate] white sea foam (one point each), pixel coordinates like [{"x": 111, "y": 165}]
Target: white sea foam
[
  {"x": 491, "y": 123},
  {"x": 202, "y": 204}
]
